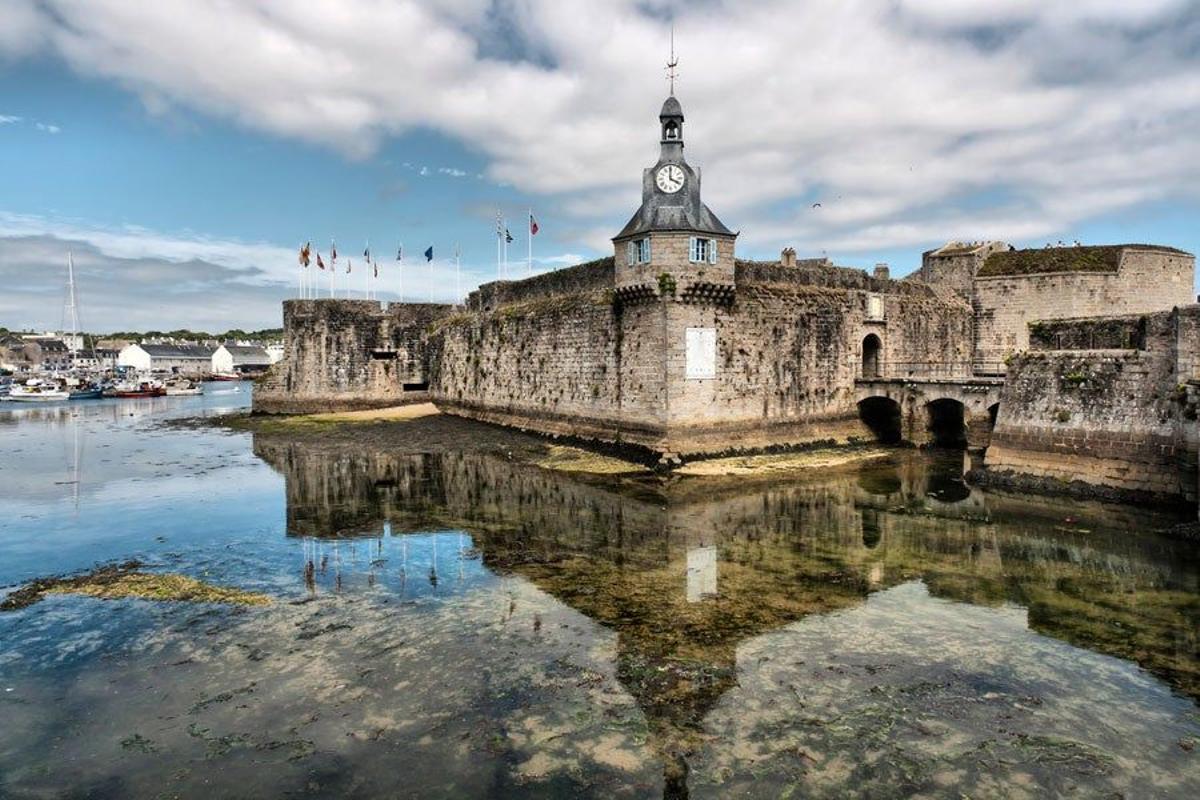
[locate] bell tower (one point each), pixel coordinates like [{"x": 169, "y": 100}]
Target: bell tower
[{"x": 673, "y": 242}]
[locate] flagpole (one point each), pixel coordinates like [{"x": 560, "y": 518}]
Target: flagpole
[
  {"x": 529, "y": 240},
  {"x": 499, "y": 234},
  {"x": 431, "y": 274},
  {"x": 457, "y": 275},
  {"x": 505, "y": 226},
  {"x": 400, "y": 259}
]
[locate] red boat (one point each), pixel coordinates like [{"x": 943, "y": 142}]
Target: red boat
[{"x": 143, "y": 389}]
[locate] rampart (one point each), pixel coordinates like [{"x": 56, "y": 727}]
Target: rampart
[
  {"x": 1016, "y": 288},
  {"x": 348, "y": 354},
  {"x": 1113, "y": 405},
  {"x": 571, "y": 357}
]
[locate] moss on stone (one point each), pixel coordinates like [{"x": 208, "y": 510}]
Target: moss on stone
[{"x": 1099, "y": 258}]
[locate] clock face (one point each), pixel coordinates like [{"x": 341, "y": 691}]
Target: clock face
[{"x": 670, "y": 179}]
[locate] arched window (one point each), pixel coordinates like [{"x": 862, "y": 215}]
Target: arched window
[
  {"x": 870, "y": 356},
  {"x": 672, "y": 131}
]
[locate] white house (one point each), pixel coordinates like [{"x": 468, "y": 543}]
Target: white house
[
  {"x": 236, "y": 358},
  {"x": 190, "y": 359}
]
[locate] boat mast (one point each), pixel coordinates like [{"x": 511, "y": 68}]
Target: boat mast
[{"x": 72, "y": 304}]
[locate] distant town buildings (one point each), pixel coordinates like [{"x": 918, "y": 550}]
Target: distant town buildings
[
  {"x": 191, "y": 359},
  {"x": 230, "y": 359}
]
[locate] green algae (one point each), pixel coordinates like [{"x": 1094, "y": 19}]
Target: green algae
[{"x": 125, "y": 581}]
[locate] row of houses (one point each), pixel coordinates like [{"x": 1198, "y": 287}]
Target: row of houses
[
  {"x": 42, "y": 353},
  {"x": 196, "y": 359}
]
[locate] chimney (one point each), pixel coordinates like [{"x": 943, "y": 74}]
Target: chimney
[
  {"x": 788, "y": 257},
  {"x": 882, "y": 273}
]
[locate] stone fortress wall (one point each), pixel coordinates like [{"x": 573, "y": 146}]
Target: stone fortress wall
[
  {"x": 1014, "y": 289},
  {"x": 348, "y": 354},
  {"x": 1105, "y": 401},
  {"x": 587, "y": 363}
]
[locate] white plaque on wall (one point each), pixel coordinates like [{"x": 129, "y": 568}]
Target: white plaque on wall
[{"x": 701, "y": 353}]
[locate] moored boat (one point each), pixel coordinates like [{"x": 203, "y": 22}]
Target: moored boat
[
  {"x": 225, "y": 376},
  {"x": 86, "y": 393},
  {"x": 183, "y": 388},
  {"x": 136, "y": 389},
  {"x": 36, "y": 391}
]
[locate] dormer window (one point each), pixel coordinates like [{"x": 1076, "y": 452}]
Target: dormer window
[
  {"x": 702, "y": 250},
  {"x": 638, "y": 251}
]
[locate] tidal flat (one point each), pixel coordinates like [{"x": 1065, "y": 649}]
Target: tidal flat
[{"x": 461, "y": 611}]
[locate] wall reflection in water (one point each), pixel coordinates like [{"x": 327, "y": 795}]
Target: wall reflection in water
[{"x": 686, "y": 571}]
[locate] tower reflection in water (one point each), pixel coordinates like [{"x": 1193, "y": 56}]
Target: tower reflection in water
[{"x": 686, "y": 572}]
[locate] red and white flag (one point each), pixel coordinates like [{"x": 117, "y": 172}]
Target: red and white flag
[
  {"x": 320, "y": 263},
  {"x": 533, "y": 226}
]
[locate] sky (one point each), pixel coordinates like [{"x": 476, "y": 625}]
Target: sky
[{"x": 182, "y": 152}]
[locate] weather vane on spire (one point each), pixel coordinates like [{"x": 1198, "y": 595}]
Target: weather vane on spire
[{"x": 672, "y": 63}]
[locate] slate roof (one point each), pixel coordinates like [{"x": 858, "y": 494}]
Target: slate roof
[
  {"x": 248, "y": 354},
  {"x": 178, "y": 351},
  {"x": 652, "y": 217}
]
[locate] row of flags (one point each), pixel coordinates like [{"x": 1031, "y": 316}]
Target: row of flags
[
  {"x": 502, "y": 234},
  {"x": 306, "y": 257},
  {"x": 306, "y": 250},
  {"x": 508, "y": 237}
]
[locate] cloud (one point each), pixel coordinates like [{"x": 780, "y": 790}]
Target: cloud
[
  {"x": 139, "y": 279},
  {"x": 51, "y": 129},
  {"x": 9, "y": 120},
  {"x": 908, "y": 120},
  {"x": 452, "y": 172},
  {"x": 124, "y": 293}
]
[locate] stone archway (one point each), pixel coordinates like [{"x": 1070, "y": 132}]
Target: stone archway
[
  {"x": 947, "y": 423},
  {"x": 872, "y": 348},
  {"x": 881, "y": 415}
]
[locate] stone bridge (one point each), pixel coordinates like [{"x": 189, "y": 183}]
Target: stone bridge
[{"x": 943, "y": 410}]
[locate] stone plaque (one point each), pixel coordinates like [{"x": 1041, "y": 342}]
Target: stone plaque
[{"x": 701, "y": 353}]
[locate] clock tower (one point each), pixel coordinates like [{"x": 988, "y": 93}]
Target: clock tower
[{"x": 673, "y": 242}]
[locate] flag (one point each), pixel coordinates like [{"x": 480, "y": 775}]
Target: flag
[
  {"x": 333, "y": 254},
  {"x": 400, "y": 253},
  {"x": 304, "y": 255},
  {"x": 375, "y": 264},
  {"x": 533, "y": 226},
  {"x": 429, "y": 253},
  {"x": 347, "y": 266},
  {"x": 320, "y": 263},
  {"x": 367, "y": 252},
  {"x": 507, "y": 237}
]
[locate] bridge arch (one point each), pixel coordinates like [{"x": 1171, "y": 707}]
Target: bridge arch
[
  {"x": 947, "y": 422},
  {"x": 872, "y": 349},
  {"x": 881, "y": 415}
]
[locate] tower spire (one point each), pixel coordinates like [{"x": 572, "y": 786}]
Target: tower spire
[{"x": 672, "y": 62}]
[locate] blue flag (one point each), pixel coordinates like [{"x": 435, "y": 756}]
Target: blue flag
[{"x": 429, "y": 253}]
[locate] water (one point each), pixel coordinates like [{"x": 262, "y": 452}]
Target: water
[{"x": 474, "y": 627}]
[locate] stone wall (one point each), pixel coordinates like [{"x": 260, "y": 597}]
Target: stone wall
[
  {"x": 955, "y": 265},
  {"x": 612, "y": 366},
  {"x": 1141, "y": 279},
  {"x": 584, "y": 277},
  {"x": 348, "y": 354},
  {"x": 1120, "y": 419}
]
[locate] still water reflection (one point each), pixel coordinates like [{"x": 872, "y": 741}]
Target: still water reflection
[{"x": 454, "y": 624}]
